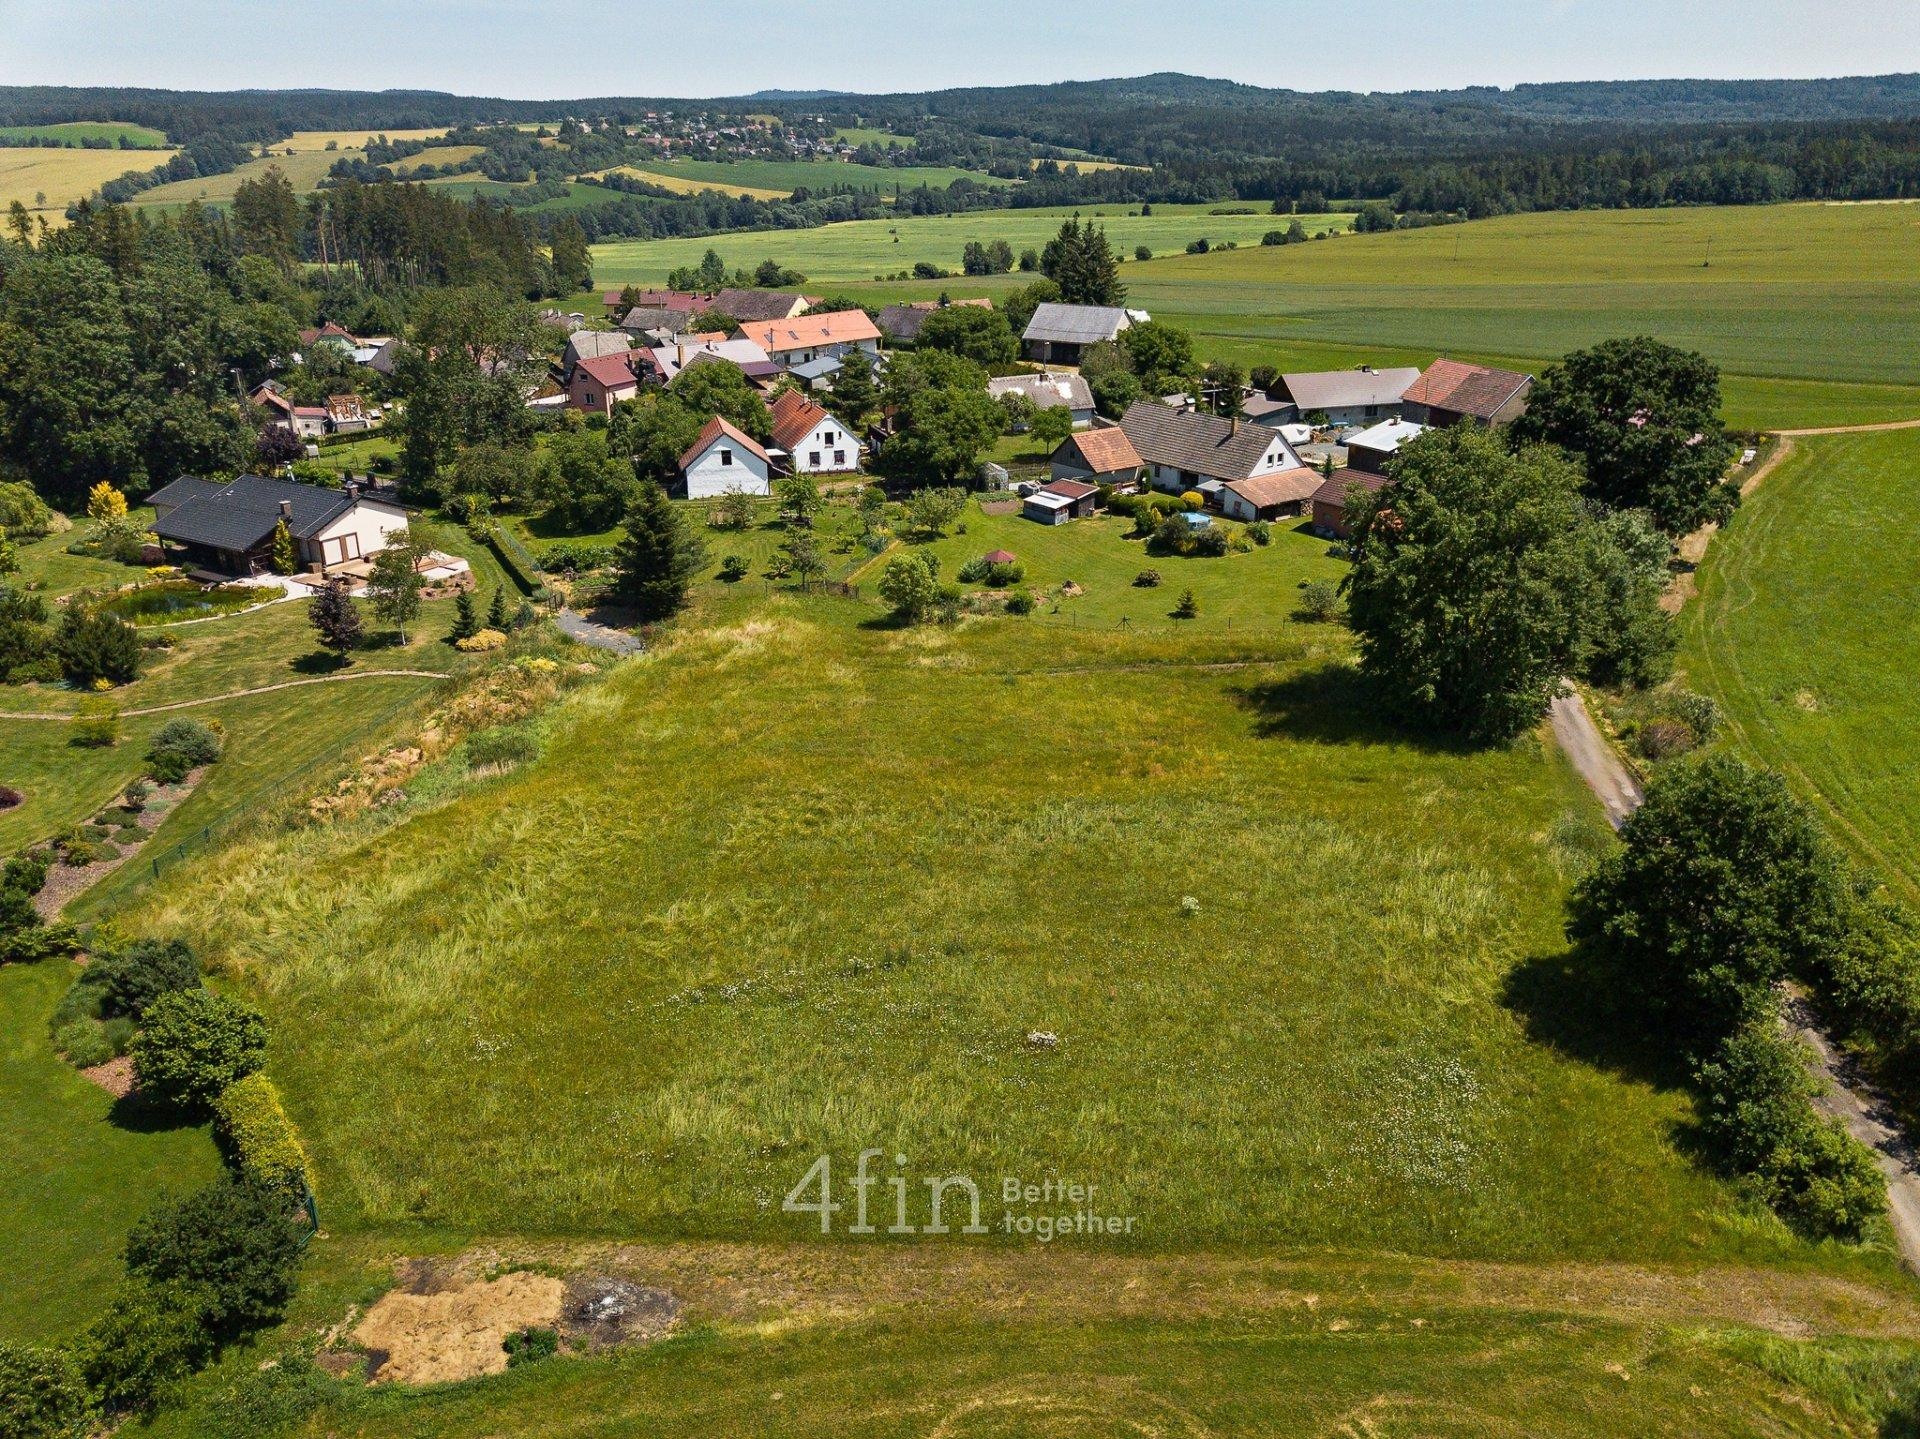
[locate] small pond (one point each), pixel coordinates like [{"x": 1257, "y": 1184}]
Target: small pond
[{"x": 172, "y": 600}]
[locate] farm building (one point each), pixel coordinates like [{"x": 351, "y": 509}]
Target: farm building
[
  {"x": 1049, "y": 391},
  {"x": 752, "y": 306},
  {"x": 600, "y": 383},
  {"x": 1058, "y": 501},
  {"x": 724, "y": 458},
  {"x": 1452, "y": 391},
  {"x": 1346, "y": 397},
  {"x": 663, "y": 363},
  {"x": 1195, "y": 452},
  {"x": 228, "y": 528},
  {"x": 1270, "y": 496},
  {"x": 1057, "y": 333},
  {"x": 1371, "y": 449},
  {"x": 815, "y": 442},
  {"x": 809, "y": 337},
  {"x": 1329, "y": 504},
  {"x": 1103, "y": 456},
  {"x": 901, "y": 323}
]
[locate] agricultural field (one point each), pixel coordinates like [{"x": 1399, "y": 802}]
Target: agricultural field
[
  {"x": 47, "y": 180},
  {"x": 74, "y": 132},
  {"x": 746, "y": 920},
  {"x": 846, "y": 254},
  {"x": 304, "y": 169},
  {"x": 786, "y": 176},
  {"x": 304, "y": 141},
  {"x": 440, "y": 155},
  {"x": 1803, "y": 630},
  {"x": 688, "y": 185}
]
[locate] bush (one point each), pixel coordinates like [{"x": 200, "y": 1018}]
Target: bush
[
  {"x": 194, "y": 1044},
  {"x": 733, "y": 568},
  {"x": 1825, "y": 1182},
  {"x": 85, "y": 1043},
  {"x": 258, "y": 1139},
  {"x": 42, "y": 1395},
  {"x": 1699, "y": 713},
  {"x": 1192, "y": 501},
  {"x": 134, "y": 797},
  {"x": 94, "y": 646},
  {"x": 529, "y": 1346},
  {"x": 1147, "y": 579},
  {"x": 234, "y": 1242},
  {"x": 1260, "y": 532},
  {"x": 1663, "y": 739},
  {"x": 95, "y": 725},
  {"x": 130, "y": 979},
  {"x": 1001, "y": 575},
  {"x": 271, "y": 1399},
  {"x": 1209, "y": 543},
  {"x": 1020, "y": 602},
  {"x": 1319, "y": 600},
  {"x": 480, "y": 642},
  {"x": 199, "y": 742},
  {"x": 150, "y": 1337},
  {"x": 1752, "y": 1097}
]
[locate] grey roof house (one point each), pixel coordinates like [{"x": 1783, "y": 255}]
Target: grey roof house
[
  {"x": 229, "y": 527},
  {"x": 1195, "y": 452},
  {"x": 748, "y": 306},
  {"x": 1049, "y": 392},
  {"x": 1057, "y": 333},
  {"x": 591, "y": 345},
  {"x": 1348, "y": 397}
]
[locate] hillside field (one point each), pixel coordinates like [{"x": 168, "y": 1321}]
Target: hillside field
[
  {"x": 63, "y": 174},
  {"x": 304, "y": 170},
  {"x": 1784, "y": 307},
  {"x": 786, "y": 176},
  {"x": 72, "y": 132},
  {"x": 1804, "y": 630}
]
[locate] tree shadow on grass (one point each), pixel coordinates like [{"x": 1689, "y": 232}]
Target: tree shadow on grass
[
  {"x": 320, "y": 662},
  {"x": 1572, "y": 1003},
  {"x": 1336, "y": 704},
  {"x": 138, "y": 1115}
]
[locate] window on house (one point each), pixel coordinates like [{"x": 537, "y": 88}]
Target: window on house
[
  {"x": 840, "y": 457},
  {"x": 813, "y": 460},
  {"x": 726, "y": 458},
  {"x": 830, "y": 438}
]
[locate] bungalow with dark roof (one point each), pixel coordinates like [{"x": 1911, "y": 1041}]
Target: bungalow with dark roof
[
  {"x": 1452, "y": 391},
  {"x": 229, "y": 527},
  {"x": 1206, "y": 452},
  {"x": 1058, "y": 332}
]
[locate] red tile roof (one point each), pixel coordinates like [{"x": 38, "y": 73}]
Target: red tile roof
[
  {"x": 1466, "y": 389},
  {"x": 1069, "y": 489},
  {"x": 1106, "y": 451},
  {"x": 1282, "y": 487},
  {"x": 1333, "y": 491},
  {"x": 794, "y": 417},
  {"x": 718, "y": 428},
  {"x": 612, "y": 372},
  {"x": 836, "y": 327}
]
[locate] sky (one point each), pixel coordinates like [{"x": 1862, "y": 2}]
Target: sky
[{"x": 543, "y": 49}]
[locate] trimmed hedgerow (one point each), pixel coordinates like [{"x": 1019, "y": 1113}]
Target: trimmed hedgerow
[{"x": 256, "y": 1136}]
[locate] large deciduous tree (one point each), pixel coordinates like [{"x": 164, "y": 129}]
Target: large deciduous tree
[{"x": 1643, "y": 419}]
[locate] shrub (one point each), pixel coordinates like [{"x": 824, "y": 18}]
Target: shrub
[
  {"x": 481, "y": 641},
  {"x": 1663, "y": 739},
  {"x": 234, "y": 1242},
  {"x": 1319, "y": 599},
  {"x": 199, "y": 742},
  {"x": 1752, "y": 1097},
  {"x": 272, "y": 1399},
  {"x": 131, "y": 979},
  {"x": 94, "y": 647},
  {"x": 79, "y": 853},
  {"x": 529, "y": 1346},
  {"x": 1147, "y": 579},
  {"x": 194, "y": 1044},
  {"x": 1260, "y": 532},
  {"x": 42, "y": 1395},
  {"x": 1825, "y": 1182},
  {"x": 84, "y": 1042},
  {"x": 1188, "y": 608},
  {"x": 1193, "y": 500},
  {"x": 1699, "y": 713},
  {"x": 1210, "y": 543},
  {"x": 258, "y": 1139},
  {"x": 733, "y": 568},
  {"x": 999, "y": 576},
  {"x": 135, "y": 795},
  {"x": 150, "y": 1336},
  {"x": 1020, "y": 602}
]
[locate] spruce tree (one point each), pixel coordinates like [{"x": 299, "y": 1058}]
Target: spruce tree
[
  {"x": 333, "y": 615},
  {"x": 465, "y": 625},
  {"x": 497, "y": 611},
  {"x": 658, "y": 558}
]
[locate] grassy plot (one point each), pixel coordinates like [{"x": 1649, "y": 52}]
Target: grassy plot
[
  {"x": 304, "y": 171},
  {"x": 73, "y": 132},
  {"x": 688, "y": 185},
  {"x": 786, "y": 176},
  {"x": 74, "y": 1179},
  {"x": 799, "y": 883},
  {"x": 440, "y": 155},
  {"x": 860, "y": 249},
  {"x": 48, "y": 180},
  {"x": 1803, "y": 629},
  {"x": 302, "y": 141}
]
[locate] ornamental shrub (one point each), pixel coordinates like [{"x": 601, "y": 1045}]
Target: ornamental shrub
[
  {"x": 151, "y": 1336},
  {"x": 258, "y": 1139},
  {"x": 234, "y": 1242},
  {"x": 42, "y": 1395},
  {"x": 132, "y": 978},
  {"x": 194, "y": 1044}
]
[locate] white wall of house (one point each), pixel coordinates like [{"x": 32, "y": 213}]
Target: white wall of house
[
  {"x": 724, "y": 466},
  {"x": 356, "y": 535},
  {"x": 826, "y": 449},
  {"x": 1174, "y": 481},
  {"x": 809, "y": 353}
]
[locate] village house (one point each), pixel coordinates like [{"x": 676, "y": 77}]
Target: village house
[
  {"x": 1057, "y": 332},
  {"x": 663, "y": 363},
  {"x": 600, "y": 383},
  {"x": 1329, "y": 504},
  {"x": 1102, "y": 456},
  {"x": 724, "y": 458},
  {"x": 1049, "y": 391},
  {"x": 809, "y": 337},
  {"x": 1339, "y": 398},
  {"x": 1453, "y": 391},
  {"x": 756, "y": 306},
  {"x": 814, "y": 440},
  {"x": 1058, "y": 501},
  {"x": 1371, "y": 449},
  {"x": 901, "y": 323},
  {"x": 591, "y": 345},
  {"x": 1207, "y": 453},
  {"x": 228, "y": 528}
]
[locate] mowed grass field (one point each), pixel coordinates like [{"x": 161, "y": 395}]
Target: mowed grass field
[
  {"x": 63, "y": 174},
  {"x": 73, "y": 132},
  {"x": 798, "y": 883},
  {"x": 304, "y": 170},
  {"x": 857, "y": 250},
  {"x": 1804, "y": 629}
]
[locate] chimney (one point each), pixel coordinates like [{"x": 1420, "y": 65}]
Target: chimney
[
  {"x": 353, "y": 489},
  {"x": 286, "y": 509}
]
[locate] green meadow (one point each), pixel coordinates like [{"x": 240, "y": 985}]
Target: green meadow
[
  {"x": 1804, "y": 630},
  {"x": 73, "y": 132},
  {"x": 790, "y": 175},
  {"x": 798, "y": 882},
  {"x": 1782, "y": 297}
]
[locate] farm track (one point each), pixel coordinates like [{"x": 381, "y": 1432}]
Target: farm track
[{"x": 239, "y": 694}]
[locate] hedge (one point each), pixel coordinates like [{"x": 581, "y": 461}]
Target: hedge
[{"x": 258, "y": 1139}]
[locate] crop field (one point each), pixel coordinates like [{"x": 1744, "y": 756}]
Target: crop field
[
  {"x": 303, "y": 141},
  {"x": 440, "y": 155},
  {"x": 857, "y": 250},
  {"x": 1803, "y": 629},
  {"x": 63, "y": 174},
  {"x": 139, "y": 137},
  {"x": 688, "y": 185},
  {"x": 798, "y": 882},
  {"x": 786, "y": 176}
]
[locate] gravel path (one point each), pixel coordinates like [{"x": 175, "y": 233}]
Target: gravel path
[{"x": 578, "y": 627}]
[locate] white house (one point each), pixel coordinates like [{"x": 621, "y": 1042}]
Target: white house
[
  {"x": 230, "y": 527},
  {"x": 1347, "y": 397},
  {"x": 1205, "y": 452},
  {"x": 725, "y": 458},
  {"x": 814, "y": 440}
]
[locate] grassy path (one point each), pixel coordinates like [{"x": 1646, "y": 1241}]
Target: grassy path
[{"x": 243, "y": 694}]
